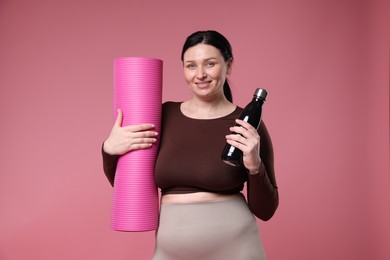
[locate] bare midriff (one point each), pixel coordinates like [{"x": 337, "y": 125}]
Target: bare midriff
[{"x": 195, "y": 197}]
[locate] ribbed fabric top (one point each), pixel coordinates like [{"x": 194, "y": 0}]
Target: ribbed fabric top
[{"x": 189, "y": 159}]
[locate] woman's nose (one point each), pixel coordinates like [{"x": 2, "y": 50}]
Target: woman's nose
[{"x": 201, "y": 73}]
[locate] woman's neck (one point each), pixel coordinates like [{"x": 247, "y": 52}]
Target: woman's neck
[{"x": 203, "y": 109}]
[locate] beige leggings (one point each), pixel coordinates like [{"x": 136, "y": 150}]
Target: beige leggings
[{"x": 220, "y": 230}]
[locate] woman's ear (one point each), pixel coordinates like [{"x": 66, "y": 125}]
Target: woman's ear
[{"x": 229, "y": 66}]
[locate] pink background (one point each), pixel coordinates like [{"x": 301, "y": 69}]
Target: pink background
[{"x": 324, "y": 63}]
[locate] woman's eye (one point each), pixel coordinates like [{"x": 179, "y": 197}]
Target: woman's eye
[
  {"x": 191, "y": 66},
  {"x": 210, "y": 64}
]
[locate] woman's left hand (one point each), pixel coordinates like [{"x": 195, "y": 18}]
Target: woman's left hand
[{"x": 246, "y": 138}]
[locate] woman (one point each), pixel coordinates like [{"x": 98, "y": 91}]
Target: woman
[{"x": 203, "y": 212}]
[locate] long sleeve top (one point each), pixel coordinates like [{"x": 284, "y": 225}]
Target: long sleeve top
[{"x": 189, "y": 160}]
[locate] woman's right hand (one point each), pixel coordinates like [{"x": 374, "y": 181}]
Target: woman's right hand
[{"x": 129, "y": 138}]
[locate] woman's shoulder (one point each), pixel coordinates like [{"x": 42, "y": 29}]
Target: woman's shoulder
[
  {"x": 171, "y": 108},
  {"x": 171, "y": 105}
]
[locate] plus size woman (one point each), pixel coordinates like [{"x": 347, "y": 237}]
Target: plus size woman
[{"x": 203, "y": 213}]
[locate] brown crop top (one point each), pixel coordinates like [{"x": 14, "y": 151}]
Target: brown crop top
[{"x": 189, "y": 160}]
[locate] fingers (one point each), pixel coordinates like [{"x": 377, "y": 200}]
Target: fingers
[
  {"x": 244, "y": 136},
  {"x": 141, "y": 134},
  {"x": 138, "y": 136},
  {"x": 236, "y": 139},
  {"x": 118, "y": 121},
  {"x": 138, "y": 127},
  {"x": 243, "y": 127},
  {"x": 142, "y": 142},
  {"x": 140, "y": 146},
  {"x": 128, "y": 138},
  {"x": 134, "y": 128}
]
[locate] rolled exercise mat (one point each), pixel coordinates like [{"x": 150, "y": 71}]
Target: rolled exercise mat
[{"x": 138, "y": 93}]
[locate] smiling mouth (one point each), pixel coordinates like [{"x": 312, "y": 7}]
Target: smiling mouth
[{"x": 203, "y": 84}]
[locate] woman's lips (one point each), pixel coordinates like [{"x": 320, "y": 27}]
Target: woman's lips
[{"x": 203, "y": 84}]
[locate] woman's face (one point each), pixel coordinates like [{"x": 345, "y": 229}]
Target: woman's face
[{"x": 205, "y": 70}]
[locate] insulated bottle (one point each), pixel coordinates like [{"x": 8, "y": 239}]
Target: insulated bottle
[{"x": 251, "y": 114}]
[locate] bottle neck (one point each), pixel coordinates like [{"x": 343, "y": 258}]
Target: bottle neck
[{"x": 258, "y": 99}]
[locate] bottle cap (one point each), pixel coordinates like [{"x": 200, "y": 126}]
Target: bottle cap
[{"x": 261, "y": 93}]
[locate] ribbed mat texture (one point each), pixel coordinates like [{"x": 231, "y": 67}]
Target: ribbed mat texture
[{"x": 138, "y": 93}]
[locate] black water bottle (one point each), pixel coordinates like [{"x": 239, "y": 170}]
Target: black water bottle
[{"x": 251, "y": 114}]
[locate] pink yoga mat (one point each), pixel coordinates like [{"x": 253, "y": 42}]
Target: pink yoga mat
[{"x": 138, "y": 92}]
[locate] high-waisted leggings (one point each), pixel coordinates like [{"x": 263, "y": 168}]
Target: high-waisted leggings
[{"x": 220, "y": 230}]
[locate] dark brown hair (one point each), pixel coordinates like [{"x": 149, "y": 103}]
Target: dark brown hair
[{"x": 217, "y": 40}]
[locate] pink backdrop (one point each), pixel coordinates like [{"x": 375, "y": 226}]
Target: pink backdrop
[{"x": 324, "y": 63}]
